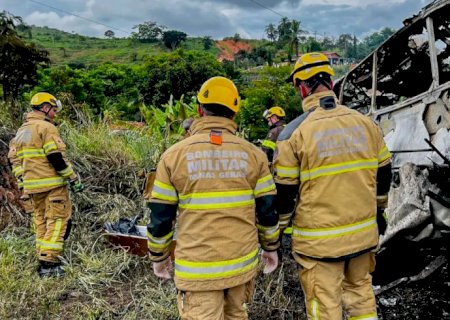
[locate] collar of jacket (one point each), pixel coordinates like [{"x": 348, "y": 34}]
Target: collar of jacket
[
  {"x": 313, "y": 100},
  {"x": 278, "y": 124},
  {"x": 206, "y": 123},
  {"x": 37, "y": 116}
]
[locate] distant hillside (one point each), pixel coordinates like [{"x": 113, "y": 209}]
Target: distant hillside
[{"x": 74, "y": 49}]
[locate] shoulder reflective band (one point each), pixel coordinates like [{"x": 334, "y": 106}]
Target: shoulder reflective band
[
  {"x": 67, "y": 172},
  {"x": 383, "y": 154},
  {"x": 220, "y": 200},
  {"x": 157, "y": 244},
  {"x": 216, "y": 270},
  {"x": 338, "y": 168},
  {"x": 50, "y": 146},
  {"x": 164, "y": 191},
  {"x": 30, "y": 153},
  {"x": 336, "y": 231},
  {"x": 269, "y": 144},
  {"x": 287, "y": 172},
  {"x": 264, "y": 185},
  {"x": 43, "y": 183}
]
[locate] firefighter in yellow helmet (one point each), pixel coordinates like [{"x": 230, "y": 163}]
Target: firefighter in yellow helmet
[
  {"x": 275, "y": 119},
  {"x": 223, "y": 191},
  {"x": 39, "y": 163},
  {"x": 336, "y": 161}
]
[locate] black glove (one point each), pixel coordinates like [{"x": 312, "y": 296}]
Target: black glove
[{"x": 382, "y": 221}]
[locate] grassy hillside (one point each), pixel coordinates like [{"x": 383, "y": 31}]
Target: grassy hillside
[{"x": 68, "y": 48}]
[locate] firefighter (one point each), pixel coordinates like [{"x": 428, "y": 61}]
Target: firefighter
[
  {"x": 335, "y": 160},
  {"x": 223, "y": 190},
  {"x": 45, "y": 174},
  {"x": 275, "y": 120}
]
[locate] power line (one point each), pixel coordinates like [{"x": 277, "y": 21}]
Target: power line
[
  {"x": 277, "y": 13},
  {"x": 267, "y": 8},
  {"x": 81, "y": 17}
]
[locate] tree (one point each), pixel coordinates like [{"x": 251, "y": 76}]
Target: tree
[
  {"x": 173, "y": 38},
  {"x": 148, "y": 31},
  {"x": 177, "y": 73},
  {"x": 284, "y": 31},
  {"x": 207, "y": 42},
  {"x": 236, "y": 37},
  {"x": 272, "y": 32},
  {"x": 295, "y": 33},
  {"x": 311, "y": 44},
  {"x": 345, "y": 44},
  {"x": 19, "y": 60},
  {"x": 109, "y": 34}
]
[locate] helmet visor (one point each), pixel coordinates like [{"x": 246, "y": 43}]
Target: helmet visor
[{"x": 58, "y": 105}]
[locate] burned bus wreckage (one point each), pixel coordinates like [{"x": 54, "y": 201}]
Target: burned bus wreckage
[{"x": 404, "y": 85}]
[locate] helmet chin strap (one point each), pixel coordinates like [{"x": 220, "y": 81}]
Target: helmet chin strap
[{"x": 313, "y": 88}]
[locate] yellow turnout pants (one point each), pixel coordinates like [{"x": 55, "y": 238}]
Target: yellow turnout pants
[
  {"x": 330, "y": 286},
  {"x": 227, "y": 304},
  {"x": 52, "y": 210}
]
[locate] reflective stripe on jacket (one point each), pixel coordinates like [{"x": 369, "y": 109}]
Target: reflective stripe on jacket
[
  {"x": 34, "y": 140},
  {"x": 269, "y": 143},
  {"x": 333, "y": 154},
  {"x": 215, "y": 187}
]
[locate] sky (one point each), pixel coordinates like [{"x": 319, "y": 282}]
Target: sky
[{"x": 215, "y": 18}]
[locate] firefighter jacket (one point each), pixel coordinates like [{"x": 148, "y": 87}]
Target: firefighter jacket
[
  {"x": 216, "y": 181},
  {"x": 29, "y": 154},
  {"x": 269, "y": 143},
  {"x": 330, "y": 155}
]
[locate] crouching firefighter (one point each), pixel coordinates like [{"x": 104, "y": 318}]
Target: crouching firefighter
[
  {"x": 223, "y": 191},
  {"x": 44, "y": 172}
]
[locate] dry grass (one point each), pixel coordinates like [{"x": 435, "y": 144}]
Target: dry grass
[{"x": 102, "y": 282}]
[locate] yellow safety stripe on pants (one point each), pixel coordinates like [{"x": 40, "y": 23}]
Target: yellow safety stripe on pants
[
  {"x": 159, "y": 243},
  {"x": 269, "y": 233},
  {"x": 264, "y": 184},
  {"x": 288, "y": 230},
  {"x": 287, "y": 172},
  {"x": 210, "y": 200},
  {"x": 335, "y": 231},
  {"x": 55, "y": 246},
  {"x": 338, "y": 168},
  {"x": 30, "y": 153},
  {"x": 17, "y": 171},
  {"x": 43, "y": 183},
  {"x": 269, "y": 144},
  {"x": 50, "y": 146},
  {"x": 219, "y": 269},
  {"x": 164, "y": 191},
  {"x": 315, "y": 309},
  {"x": 383, "y": 154},
  {"x": 57, "y": 231},
  {"x": 370, "y": 316},
  {"x": 67, "y": 172}
]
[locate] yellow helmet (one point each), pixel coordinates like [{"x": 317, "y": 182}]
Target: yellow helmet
[
  {"x": 278, "y": 111},
  {"x": 220, "y": 90},
  {"x": 44, "y": 97},
  {"x": 310, "y": 64}
]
